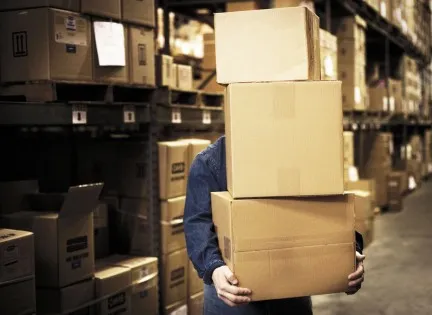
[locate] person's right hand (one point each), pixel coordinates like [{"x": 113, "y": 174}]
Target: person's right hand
[{"x": 226, "y": 287}]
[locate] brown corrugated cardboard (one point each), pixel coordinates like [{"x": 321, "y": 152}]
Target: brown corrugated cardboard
[
  {"x": 209, "y": 59},
  {"x": 174, "y": 277},
  {"x": 196, "y": 304},
  {"x": 164, "y": 64},
  {"x": 145, "y": 298},
  {"x": 292, "y": 3},
  {"x": 239, "y": 53},
  {"x": 307, "y": 240},
  {"x": 18, "y": 298},
  {"x": 173, "y": 157},
  {"x": 284, "y": 118},
  {"x": 141, "y": 54},
  {"x": 110, "y": 74},
  {"x": 172, "y": 228},
  {"x": 351, "y": 52},
  {"x": 242, "y": 6},
  {"x": 195, "y": 147},
  {"x": 139, "y": 11},
  {"x": 12, "y": 195},
  {"x": 184, "y": 77},
  {"x": 47, "y": 44},
  {"x": 195, "y": 283},
  {"x": 72, "y": 5},
  {"x": 178, "y": 308},
  {"x": 70, "y": 298},
  {"x": 17, "y": 255},
  {"x": 106, "y": 8},
  {"x": 114, "y": 285},
  {"x": 363, "y": 205},
  {"x": 367, "y": 185},
  {"x": 380, "y": 98},
  {"x": 354, "y": 92},
  {"x": 64, "y": 238}
]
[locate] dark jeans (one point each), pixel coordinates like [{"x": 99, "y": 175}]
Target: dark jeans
[{"x": 215, "y": 306}]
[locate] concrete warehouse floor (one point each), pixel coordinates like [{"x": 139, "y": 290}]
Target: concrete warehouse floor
[{"x": 398, "y": 278}]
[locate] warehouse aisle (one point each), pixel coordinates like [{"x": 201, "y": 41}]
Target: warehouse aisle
[{"x": 398, "y": 265}]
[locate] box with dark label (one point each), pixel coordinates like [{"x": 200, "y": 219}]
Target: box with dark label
[
  {"x": 141, "y": 55},
  {"x": 16, "y": 254},
  {"x": 63, "y": 231},
  {"x": 18, "y": 297},
  {"x": 173, "y": 237},
  {"x": 175, "y": 277},
  {"x": 173, "y": 157}
]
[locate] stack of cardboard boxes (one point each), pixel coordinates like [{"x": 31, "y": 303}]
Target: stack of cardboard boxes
[
  {"x": 175, "y": 76},
  {"x": 180, "y": 284},
  {"x": 352, "y": 62},
  {"x": 77, "y": 41},
  {"x": 386, "y": 96},
  {"x": 329, "y": 56},
  {"x": 272, "y": 141},
  {"x": 411, "y": 85},
  {"x": 398, "y": 14}
]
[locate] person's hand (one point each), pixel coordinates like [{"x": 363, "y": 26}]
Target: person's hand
[
  {"x": 356, "y": 279},
  {"x": 226, "y": 287}
]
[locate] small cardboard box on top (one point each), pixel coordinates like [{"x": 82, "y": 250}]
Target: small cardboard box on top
[
  {"x": 284, "y": 108},
  {"x": 63, "y": 233},
  {"x": 300, "y": 246},
  {"x": 240, "y": 59}
]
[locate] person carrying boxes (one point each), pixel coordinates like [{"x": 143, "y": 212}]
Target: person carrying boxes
[{"x": 266, "y": 220}]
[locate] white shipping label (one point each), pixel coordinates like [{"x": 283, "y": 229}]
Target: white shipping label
[
  {"x": 383, "y": 8},
  {"x": 207, "y": 117},
  {"x": 70, "y": 30},
  {"x": 357, "y": 95},
  {"x": 392, "y": 104},
  {"x": 110, "y": 43},
  {"x": 385, "y": 103},
  {"x": 180, "y": 311},
  {"x": 353, "y": 174},
  {"x": 391, "y": 147},
  {"x": 328, "y": 66},
  {"x": 176, "y": 116}
]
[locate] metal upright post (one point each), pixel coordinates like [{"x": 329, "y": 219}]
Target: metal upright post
[{"x": 328, "y": 15}]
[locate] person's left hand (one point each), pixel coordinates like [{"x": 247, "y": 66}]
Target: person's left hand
[{"x": 356, "y": 279}]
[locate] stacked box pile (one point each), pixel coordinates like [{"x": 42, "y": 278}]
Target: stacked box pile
[
  {"x": 271, "y": 101},
  {"x": 329, "y": 57},
  {"x": 411, "y": 85},
  {"x": 352, "y": 62},
  {"x": 386, "y": 96},
  {"x": 398, "y": 14}
]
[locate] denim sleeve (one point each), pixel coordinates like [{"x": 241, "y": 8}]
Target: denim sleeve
[{"x": 201, "y": 238}]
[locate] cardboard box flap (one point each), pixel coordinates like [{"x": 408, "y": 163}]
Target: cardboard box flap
[{"x": 81, "y": 200}]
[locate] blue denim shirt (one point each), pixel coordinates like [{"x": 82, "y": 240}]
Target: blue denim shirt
[{"x": 208, "y": 174}]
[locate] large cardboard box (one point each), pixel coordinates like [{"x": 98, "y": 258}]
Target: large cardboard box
[
  {"x": 173, "y": 156},
  {"x": 70, "y": 298},
  {"x": 354, "y": 91},
  {"x": 106, "y": 8},
  {"x": 16, "y": 255},
  {"x": 278, "y": 117},
  {"x": 141, "y": 55},
  {"x": 174, "y": 277},
  {"x": 196, "y": 304},
  {"x": 114, "y": 285},
  {"x": 251, "y": 46},
  {"x": 45, "y": 44},
  {"x": 172, "y": 228},
  {"x": 18, "y": 297},
  {"x": 141, "y": 12},
  {"x": 195, "y": 283},
  {"x": 380, "y": 99},
  {"x": 72, "y": 5},
  {"x": 145, "y": 293},
  {"x": 300, "y": 246},
  {"x": 110, "y": 74},
  {"x": 63, "y": 233}
]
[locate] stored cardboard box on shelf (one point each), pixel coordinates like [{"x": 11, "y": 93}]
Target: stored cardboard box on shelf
[
  {"x": 242, "y": 6},
  {"x": 174, "y": 277},
  {"x": 184, "y": 77},
  {"x": 354, "y": 91},
  {"x": 72, "y": 5},
  {"x": 141, "y": 55},
  {"x": 18, "y": 297},
  {"x": 196, "y": 304},
  {"x": 17, "y": 255},
  {"x": 380, "y": 98},
  {"x": 172, "y": 229},
  {"x": 209, "y": 59},
  {"x": 239, "y": 59},
  {"x": 141, "y": 12},
  {"x": 164, "y": 65},
  {"x": 173, "y": 156},
  {"x": 307, "y": 240},
  {"x": 351, "y": 52},
  {"x": 63, "y": 233},
  {"x": 284, "y": 118},
  {"x": 106, "y": 8},
  {"x": 195, "y": 283},
  {"x": 45, "y": 44}
]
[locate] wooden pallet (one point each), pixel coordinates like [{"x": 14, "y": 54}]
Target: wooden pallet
[
  {"x": 212, "y": 100},
  {"x": 168, "y": 96}
]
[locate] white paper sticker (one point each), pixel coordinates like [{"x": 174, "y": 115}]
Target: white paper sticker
[
  {"x": 353, "y": 174},
  {"x": 357, "y": 95},
  {"x": 110, "y": 43},
  {"x": 129, "y": 115},
  {"x": 180, "y": 311},
  {"x": 328, "y": 66},
  {"x": 383, "y": 8},
  {"x": 79, "y": 114},
  {"x": 385, "y": 103},
  {"x": 70, "y": 30},
  {"x": 391, "y": 147},
  {"x": 176, "y": 116},
  {"x": 392, "y": 104},
  {"x": 411, "y": 183},
  {"x": 206, "y": 117}
]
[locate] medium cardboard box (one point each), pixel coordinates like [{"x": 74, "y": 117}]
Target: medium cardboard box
[
  {"x": 381, "y": 98},
  {"x": 106, "y": 8},
  {"x": 63, "y": 233},
  {"x": 101, "y": 231},
  {"x": 174, "y": 277},
  {"x": 141, "y": 12},
  {"x": 242, "y": 6},
  {"x": 114, "y": 283},
  {"x": 71, "y": 5},
  {"x": 164, "y": 64},
  {"x": 397, "y": 182},
  {"x": 348, "y": 137},
  {"x": 17, "y": 255},
  {"x": 18, "y": 297},
  {"x": 367, "y": 185},
  {"x": 284, "y": 117},
  {"x": 110, "y": 74},
  {"x": 242, "y": 36},
  {"x": 173, "y": 156},
  {"x": 178, "y": 308},
  {"x": 59, "y": 301},
  {"x": 141, "y": 54},
  {"x": 354, "y": 91},
  {"x": 172, "y": 228},
  {"x": 309, "y": 241},
  {"x": 184, "y": 77},
  {"x": 47, "y": 44},
  {"x": 145, "y": 297},
  {"x": 195, "y": 283},
  {"x": 196, "y": 304}
]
